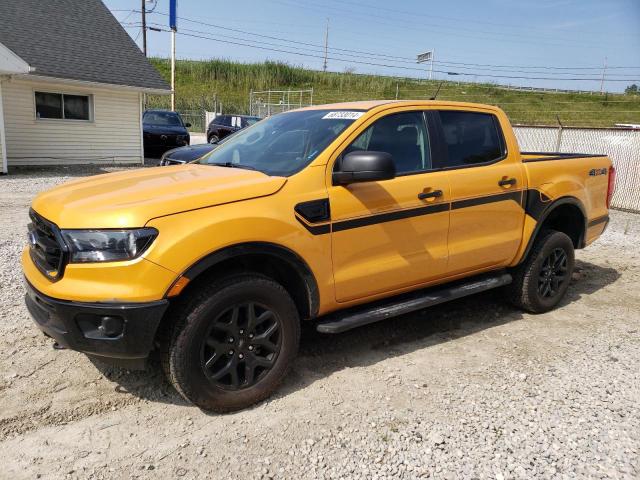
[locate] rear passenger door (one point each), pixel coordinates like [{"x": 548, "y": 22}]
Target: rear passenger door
[{"x": 486, "y": 218}]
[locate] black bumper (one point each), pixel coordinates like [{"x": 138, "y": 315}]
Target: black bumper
[{"x": 126, "y": 341}]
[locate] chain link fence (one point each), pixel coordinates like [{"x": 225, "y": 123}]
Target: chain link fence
[
  {"x": 620, "y": 144},
  {"x": 269, "y": 102},
  {"x": 196, "y": 118}
]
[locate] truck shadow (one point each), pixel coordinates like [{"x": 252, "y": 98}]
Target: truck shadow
[{"x": 322, "y": 355}]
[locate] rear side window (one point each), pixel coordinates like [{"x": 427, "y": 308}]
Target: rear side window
[
  {"x": 470, "y": 138},
  {"x": 224, "y": 120}
]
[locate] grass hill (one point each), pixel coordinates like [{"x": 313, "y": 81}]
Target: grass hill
[{"x": 200, "y": 82}]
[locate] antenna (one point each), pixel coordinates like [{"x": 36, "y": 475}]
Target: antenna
[{"x": 437, "y": 91}]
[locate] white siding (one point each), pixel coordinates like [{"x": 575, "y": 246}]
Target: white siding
[
  {"x": 2, "y": 165},
  {"x": 113, "y": 135}
]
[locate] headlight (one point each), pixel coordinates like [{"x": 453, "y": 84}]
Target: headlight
[{"x": 107, "y": 245}]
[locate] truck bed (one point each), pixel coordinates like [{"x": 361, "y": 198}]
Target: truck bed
[{"x": 544, "y": 156}]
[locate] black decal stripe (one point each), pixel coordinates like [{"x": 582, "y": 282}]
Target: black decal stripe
[
  {"x": 389, "y": 217},
  {"x": 598, "y": 221},
  {"x": 315, "y": 229},
  {"x": 516, "y": 196},
  {"x": 521, "y": 197},
  {"x": 535, "y": 203}
]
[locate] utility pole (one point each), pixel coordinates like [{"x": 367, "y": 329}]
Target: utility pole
[
  {"x": 604, "y": 70},
  {"x": 173, "y": 23},
  {"x": 143, "y": 10},
  {"x": 173, "y": 70},
  {"x": 326, "y": 46}
]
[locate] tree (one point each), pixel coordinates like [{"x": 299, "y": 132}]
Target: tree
[{"x": 632, "y": 90}]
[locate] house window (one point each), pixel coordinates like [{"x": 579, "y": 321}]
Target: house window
[{"x": 62, "y": 106}]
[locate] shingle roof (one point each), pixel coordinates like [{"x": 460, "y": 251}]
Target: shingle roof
[{"x": 75, "y": 39}]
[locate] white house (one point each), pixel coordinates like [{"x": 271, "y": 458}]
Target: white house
[{"x": 71, "y": 85}]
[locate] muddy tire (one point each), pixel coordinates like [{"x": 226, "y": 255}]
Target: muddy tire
[
  {"x": 541, "y": 281},
  {"x": 233, "y": 342}
]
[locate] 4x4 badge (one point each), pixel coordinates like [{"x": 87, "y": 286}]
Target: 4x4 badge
[{"x": 594, "y": 172}]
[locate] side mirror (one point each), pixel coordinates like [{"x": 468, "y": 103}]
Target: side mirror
[
  {"x": 365, "y": 166},
  {"x": 187, "y": 124}
]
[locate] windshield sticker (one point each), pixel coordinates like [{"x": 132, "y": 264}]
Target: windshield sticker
[{"x": 342, "y": 115}]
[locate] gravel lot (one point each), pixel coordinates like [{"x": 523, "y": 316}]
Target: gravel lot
[{"x": 473, "y": 389}]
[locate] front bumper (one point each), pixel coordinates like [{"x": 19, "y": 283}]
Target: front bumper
[{"x": 125, "y": 338}]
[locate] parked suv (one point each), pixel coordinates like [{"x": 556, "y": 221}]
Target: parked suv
[
  {"x": 223, "y": 125},
  {"x": 163, "y": 130},
  {"x": 341, "y": 215}
]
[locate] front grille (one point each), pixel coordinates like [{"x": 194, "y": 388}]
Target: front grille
[{"x": 48, "y": 250}]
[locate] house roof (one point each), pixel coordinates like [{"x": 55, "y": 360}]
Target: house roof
[{"x": 76, "y": 40}]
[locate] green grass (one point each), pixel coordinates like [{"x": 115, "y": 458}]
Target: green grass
[{"x": 199, "y": 83}]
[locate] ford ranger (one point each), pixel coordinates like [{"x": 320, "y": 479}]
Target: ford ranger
[{"x": 340, "y": 215}]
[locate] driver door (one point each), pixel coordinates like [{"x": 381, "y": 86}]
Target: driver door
[{"x": 392, "y": 234}]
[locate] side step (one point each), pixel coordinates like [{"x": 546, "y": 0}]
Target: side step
[{"x": 356, "y": 317}]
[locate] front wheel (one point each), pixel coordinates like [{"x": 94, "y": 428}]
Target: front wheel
[
  {"x": 541, "y": 281},
  {"x": 233, "y": 343},
  {"x": 213, "y": 139}
]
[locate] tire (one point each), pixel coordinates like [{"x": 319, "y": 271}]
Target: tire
[
  {"x": 541, "y": 281},
  {"x": 213, "y": 139},
  {"x": 220, "y": 362}
]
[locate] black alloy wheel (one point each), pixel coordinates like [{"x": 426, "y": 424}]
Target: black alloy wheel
[
  {"x": 553, "y": 273},
  {"x": 542, "y": 279},
  {"x": 241, "y": 346},
  {"x": 232, "y": 341}
]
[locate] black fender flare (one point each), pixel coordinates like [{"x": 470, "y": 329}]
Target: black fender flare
[
  {"x": 540, "y": 214},
  {"x": 277, "y": 252}
]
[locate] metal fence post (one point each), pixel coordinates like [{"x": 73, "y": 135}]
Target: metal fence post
[{"x": 559, "y": 139}]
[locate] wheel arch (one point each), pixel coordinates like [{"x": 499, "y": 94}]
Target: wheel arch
[
  {"x": 566, "y": 215},
  {"x": 275, "y": 261}
]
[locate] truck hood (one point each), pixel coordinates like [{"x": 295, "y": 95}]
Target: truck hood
[{"x": 132, "y": 198}]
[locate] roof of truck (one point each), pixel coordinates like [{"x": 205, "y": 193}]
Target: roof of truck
[{"x": 370, "y": 104}]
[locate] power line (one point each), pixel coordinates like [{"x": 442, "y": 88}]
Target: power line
[
  {"x": 399, "y": 59},
  {"x": 420, "y": 27},
  {"x": 395, "y": 59},
  {"x": 520, "y": 77}
]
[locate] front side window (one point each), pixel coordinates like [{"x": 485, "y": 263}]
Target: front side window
[
  {"x": 282, "y": 144},
  {"x": 404, "y": 136},
  {"x": 62, "y": 106},
  {"x": 470, "y": 138}
]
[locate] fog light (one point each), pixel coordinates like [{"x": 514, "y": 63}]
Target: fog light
[
  {"x": 111, "y": 326},
  {"x": 100, "y": 326}
]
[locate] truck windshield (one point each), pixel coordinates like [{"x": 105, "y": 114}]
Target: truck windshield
[{"x": 282, "y": 144}]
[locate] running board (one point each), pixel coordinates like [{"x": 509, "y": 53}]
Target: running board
[{"x": 410, "y": 302}]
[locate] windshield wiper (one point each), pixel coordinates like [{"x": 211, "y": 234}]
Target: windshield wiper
[{"x": 232, "y": 165}]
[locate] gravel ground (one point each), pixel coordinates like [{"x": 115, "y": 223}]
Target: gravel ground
[{"x": 473, "y": 389}]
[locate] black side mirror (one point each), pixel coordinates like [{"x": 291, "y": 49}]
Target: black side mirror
[
  {"x": 187, "y": 124},
  {"x": 365, "y": 166}
]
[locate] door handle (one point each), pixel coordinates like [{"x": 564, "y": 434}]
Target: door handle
[
  {"x": 507, "y": 181},
  {"x": 433, "y": 194}
]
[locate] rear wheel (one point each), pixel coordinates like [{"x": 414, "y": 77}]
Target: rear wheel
[
  {"x": 213, "y": 139},
  {"x": 541, "y": 281},
  {"x": 233, "y": 344}
]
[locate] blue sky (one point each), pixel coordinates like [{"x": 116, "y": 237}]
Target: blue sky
[{"x": 505, "y": 38}]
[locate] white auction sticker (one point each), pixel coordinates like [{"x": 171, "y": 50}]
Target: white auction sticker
[{"x": 342, "y": 115}]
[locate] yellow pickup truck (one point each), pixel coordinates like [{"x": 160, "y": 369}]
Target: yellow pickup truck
[{"x": 340, "y": 215}]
